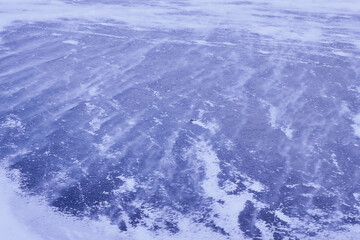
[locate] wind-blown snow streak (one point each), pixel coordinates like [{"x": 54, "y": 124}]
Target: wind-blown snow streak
[
  {"x": 200, "y": 15},
  {"x": 182, "y": 119}
]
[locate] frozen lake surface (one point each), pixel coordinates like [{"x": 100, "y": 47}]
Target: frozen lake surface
[{"x": 181, "y": 119}]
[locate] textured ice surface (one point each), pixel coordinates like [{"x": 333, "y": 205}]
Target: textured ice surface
[{"x": 179, "y": 119}]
